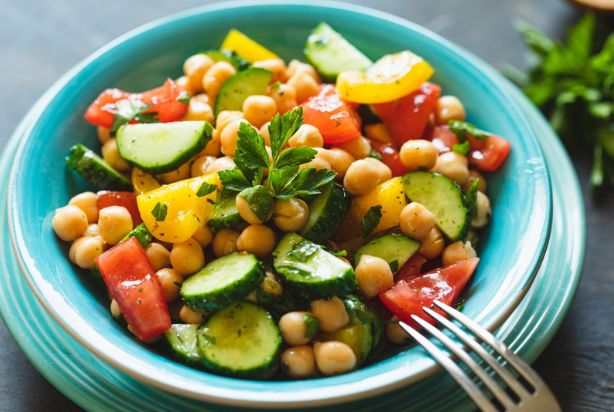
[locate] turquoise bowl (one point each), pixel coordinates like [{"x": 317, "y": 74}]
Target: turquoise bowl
[{"x": 511, "y": 249}]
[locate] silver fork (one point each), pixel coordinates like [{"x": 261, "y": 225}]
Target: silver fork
[{"x": 531, "y": 395}]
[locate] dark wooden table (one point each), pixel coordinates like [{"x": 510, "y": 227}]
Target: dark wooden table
[{"x": 42, "y": 39}]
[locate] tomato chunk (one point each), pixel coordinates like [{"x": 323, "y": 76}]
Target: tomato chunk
[
  {"x": 125, "y": 199},
  {"x": 488, "y": 154},
  {"x": 332, "y": 116},
  {"x": 443, "y": 138},
  {"x": 102, "y": 111},
  {"x": 408, "y": 296},
  {"x": 407, "y": 117},
  {"x": 132, "y": 282},
  {"x": 390, "y": 156}
]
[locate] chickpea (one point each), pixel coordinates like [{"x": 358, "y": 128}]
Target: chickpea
[
  {"x": 359, "y": 147},
  {"x": 373, "y": 275},
  {"x": 84, "y": 251},
  {"x": 115, "y": 222},
  {"x": 305, "y": 86},
  {"x": 200, "y": 164},
  {"x": 432, "y": 244},
  {"x": 187, "y": 257},
  {"x": 364, "y": 175},
  {"x": 454, "y": 166},
  {"x": 416, "y": 220},
  {"x": 418, "y": 154},
  {"x": 104, "y": 134},
  {"x": 271, "y": 285},
  {"x": 334, "y": 357},
  {"x": 217, "y": 74},
  {"x": 299, "y": 362},
  {"x": 92, "y": 230},
  {"x": 203, "y": 236},
  {"x": 318, "y": 163},
  {"x": 475, "y": 175},
  {"x": 222, "y": 163},
  {"x": 275, "y": 66},
  {"x": 69, "y": 222},
  {"x": 297, "y": 66},
  {"x": 449, "y": 108},
  {"x": 290, "y": 215},
  {"x": 189, "y": 316},
  {"x": 88, "y": 202},
  {"x": 483, "y": 211},
  {"x": 199, "y": 109},
  {"x": 158, "y": 256},
  {"x": 298, "y": 328},
  {"x": 284, "y": 96},
  {"x": 225, "y": 117},
  {"x": 264, "y": 132},
  {"x": 195, "y": 68},
  {"x": 114, "y": 309},
  {"x": 456, "y": 252},
  {"x": 171, "y": 282},
  {"x": 331, "y": 313},
  {"x": 111, "y": 155},
  {"x": 230, "y": 135},
  {"x": 395, "y": 333},
  {"x": 306, "y": 135},
  {"x": 246, "y": 212},
  {"x": 257, "y": 239},
  {"x": 259, "y": 109},
  {"x": 184, "y": 83},
  {"x": 181, "y": 173},
  {"x": 378, "y": 132},
  {"x": 213, "y": 147},
  {"x": 225, "y": 242},
  {"x": 340, "y": 160}
]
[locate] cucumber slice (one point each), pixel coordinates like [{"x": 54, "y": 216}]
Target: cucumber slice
[
  {"x": 331, "y": 54},
  {"x": 228, "y": 56},
  {"x": 162, "y": 147},
  {"x": 443, "y": 197},
  {"x": 141, "y": 234},
  {"x": 311, "y": 272},
  {"x": 326, "y": 212},
  {"x": 95, "y": 170},
  {"x": 225, "y": 213},
  {"x": 222, "y": 281},
  {"x": 240, "y": 340},
  {"x": 395, "y": 248},
  {"x": 239, "y": 87},
  {"x": 183, "y": 342}
]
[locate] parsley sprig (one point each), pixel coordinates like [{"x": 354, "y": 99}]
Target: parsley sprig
[
  {"x": 285, "y": 178},
  {"x": 463, "y": 129}
]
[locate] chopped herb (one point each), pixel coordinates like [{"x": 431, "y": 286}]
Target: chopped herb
[
  {"x": 128, "y": 109},
  {"x": 471, "y": 199},
  {"x": 159, "y": 211},
  {"x": 394, "y": 266},
  {"x": 340, "y": 253},
  {"x": 370, "y": 220},
  {"x": 312, "y": 325},
  {"x": 462, "y": 129},
  {"x": 276, "y": 85},
  {"x": 461, "y": 148},
  {"x": 205, "y": 189},
  {"x": 375, "y": 154},
  {"x": 184, "y": 97},
  {"x": 303, "y": 250}
]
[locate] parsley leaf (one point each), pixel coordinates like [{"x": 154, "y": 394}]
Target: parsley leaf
[
  {"x": 295, "y": 156},
  {"x": 461, "y": 148},
  {"x": 471, "y": 199},
  {"x": 128, "y": 109},
  {"x": 370, "y": 220},
  {"x": 205, "y": 189},
  {"x": 303, "y": 250},
  {"x": 375, "y": 154},
  {"x": 233, "y": 179},
  {"x": 308, "y": 180},
  {"x": 280, "y": 181},
  {"x": 159, "y": 211},
  {"x": 461, "y": 129},
  {"x": 250, "y": 155},
  {"x": 282, "y": 128}
]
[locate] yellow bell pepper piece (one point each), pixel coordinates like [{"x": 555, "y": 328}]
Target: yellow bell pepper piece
[
  {"x": 143, "y": 182},
  {"x": 389, "y": 194},
  {"x": 245, "y": 47},
  {"x": 185, "y": 210},
  {"x": 388, "y": 79}
]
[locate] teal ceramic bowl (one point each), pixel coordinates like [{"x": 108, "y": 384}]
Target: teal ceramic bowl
[{"x": 511, "y": 249}]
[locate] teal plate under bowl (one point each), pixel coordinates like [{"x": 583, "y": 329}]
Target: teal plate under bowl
[{"x": 513, "y": 246}]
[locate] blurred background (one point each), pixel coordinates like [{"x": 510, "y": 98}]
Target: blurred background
[{"x": 42, "y": 39}]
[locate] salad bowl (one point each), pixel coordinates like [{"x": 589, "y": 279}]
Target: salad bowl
[{"x": 511, "y": 249}]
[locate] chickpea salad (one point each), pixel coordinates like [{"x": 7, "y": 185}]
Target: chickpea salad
[{"x": 265, "y": 220}]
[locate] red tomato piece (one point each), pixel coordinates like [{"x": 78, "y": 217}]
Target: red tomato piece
[
  {"x": 411, "y": 268},
  {"x": 332, "y": 116},
  {"x": 407, "y": 117},
  {"x": 132, "y": 282},
  {"x": 102, "y": 111},
  {"x": 125, "y": 199},
  {"x": 408, "y": 297},
  {"x": 487, "y": 155},
  {"x": 443, "y": 138},
  {"x": 390, "y": 156}
]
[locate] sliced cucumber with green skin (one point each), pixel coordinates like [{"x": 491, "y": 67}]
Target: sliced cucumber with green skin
[
  {"x": 141, "y": 234},
  {"x": 183, "y": 342},
  {"x": 331, "y": 54},
  {"x": 95, "y": 170},
  {"x": 394, "y": 248},
  {"x": 223, "y": 281},
  {"x": 225, "y": 213},
  {"x": 326, "y": 212},
  {"x": 240, "y": 340},
  {"x": 228, "y": 56},
  {"x": 310, "y": 272},
  {"x": 162, "y": 147},
  {"x": 443, "y": 197},
  {"x": 234, "y": 91}
]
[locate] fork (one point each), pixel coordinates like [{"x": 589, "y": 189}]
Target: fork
[{"x": 527, "y": 392}]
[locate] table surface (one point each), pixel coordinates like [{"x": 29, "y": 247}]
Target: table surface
[{"x": 42, "y": 39}]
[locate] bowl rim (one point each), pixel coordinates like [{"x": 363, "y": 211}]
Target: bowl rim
[{"x": 325, "y": 395}]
